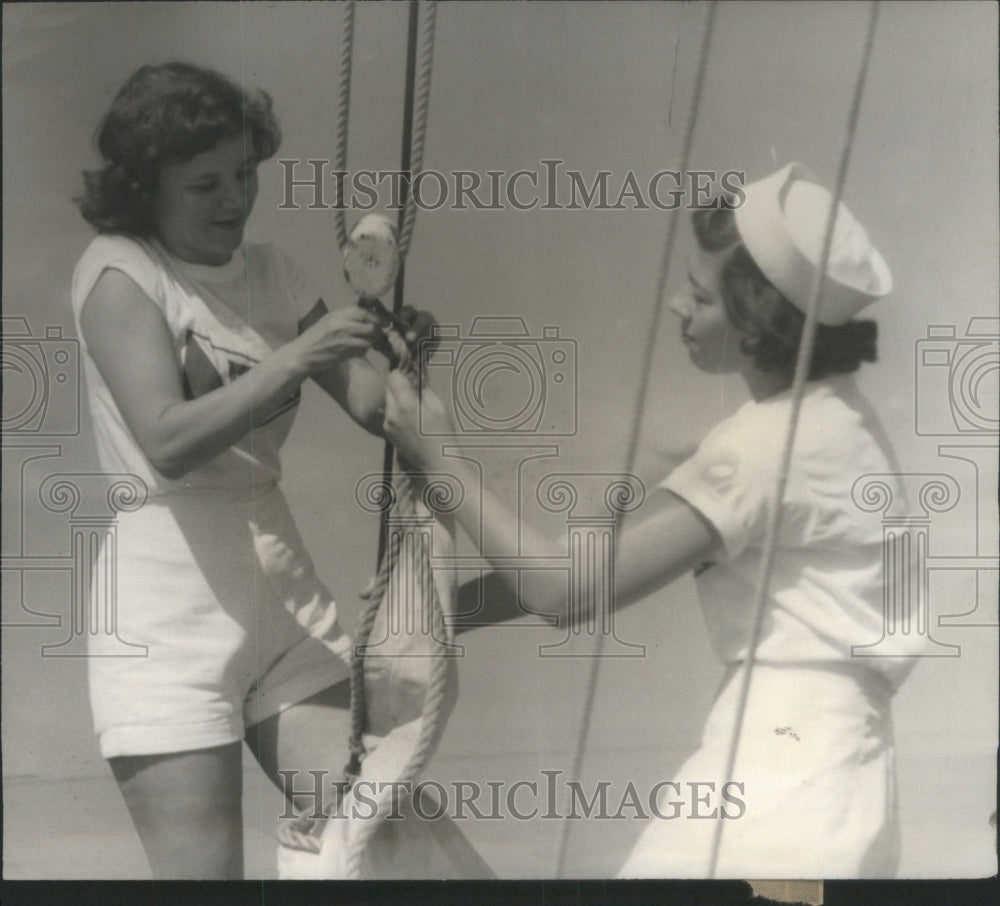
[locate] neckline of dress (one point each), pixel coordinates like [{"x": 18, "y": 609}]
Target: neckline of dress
[{"x": 207, "y": 273}]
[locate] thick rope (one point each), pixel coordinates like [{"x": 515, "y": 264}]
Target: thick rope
[
  {"x": 415, "y": 153},
  {"x": 419, "y": 121},
  {"x": 438, "y": 686},
  {"x": 343, "y": 116},
  {"x": 388, "y": 563},
  {"x": 297, "y": 835},
  {"x": 411, "y": 123},
  {"x": 640, "y": 401},
  {"x": 802, "y": 365},
  {"x": 420, "y": 115},
  {"x": 359, "y": 713}
]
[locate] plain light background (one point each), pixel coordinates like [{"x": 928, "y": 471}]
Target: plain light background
[{"x": 599, "y": 86}]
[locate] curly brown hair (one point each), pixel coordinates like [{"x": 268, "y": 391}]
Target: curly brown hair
[{"x": 166, "y": 114}]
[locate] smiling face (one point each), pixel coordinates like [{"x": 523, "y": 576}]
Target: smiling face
[
  {"x": 202, "y": 204},
  {"x": 712, "y": 341}
]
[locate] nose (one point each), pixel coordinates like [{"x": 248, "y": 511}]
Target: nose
[
  {"x": 233, "y": 195},
  {"x": 680, "y": 304}
]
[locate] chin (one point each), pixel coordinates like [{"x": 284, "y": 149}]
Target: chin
[{"x": 225, "y": 249}]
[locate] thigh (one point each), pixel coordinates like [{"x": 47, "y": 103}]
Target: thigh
[
  {"x": 304, "y": 748},
  {"x": 186, "y": 808}
]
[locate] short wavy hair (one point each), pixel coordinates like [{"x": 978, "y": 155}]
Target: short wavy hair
[
  {"x": 774, "y": 324},
  {"x": 166, "y": 114}
]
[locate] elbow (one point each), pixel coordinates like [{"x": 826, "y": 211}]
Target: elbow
[
  {"x": 370, "y": 417},
  {"x": 373, "y": 424},
  {"x": 168, "y": 458},
  {"x": 170, "y": 467},
  {"x": 171, "y": 473},
  {"x": 548, "y": 599}
]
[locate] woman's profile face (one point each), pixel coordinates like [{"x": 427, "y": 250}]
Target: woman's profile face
[
  {"x": 712, "y": 341},
  {"x": 202, "y": 204}
]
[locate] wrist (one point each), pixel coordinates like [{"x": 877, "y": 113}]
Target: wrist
[
  {"x": 291, "y": 363},
  {"x": 426, "y": 455}
]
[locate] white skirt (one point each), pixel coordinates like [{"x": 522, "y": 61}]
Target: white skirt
[{"x": 817, "y": 768}]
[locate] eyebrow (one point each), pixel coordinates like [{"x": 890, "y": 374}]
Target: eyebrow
[
  {"x": 697, "y": 285},
  {"x": 250, "y": 159}
]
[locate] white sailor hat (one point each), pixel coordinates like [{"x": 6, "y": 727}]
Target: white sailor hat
[{"x": 782, "y": 223}]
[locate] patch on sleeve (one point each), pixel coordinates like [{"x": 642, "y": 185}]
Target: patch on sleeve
[{"x": 718, "y": 472}]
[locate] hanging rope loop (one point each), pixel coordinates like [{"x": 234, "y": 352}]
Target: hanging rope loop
[
  {"x": 418, "y": 123},
  {"x": 343, "y": 115},
  {"x": 420, "y": 115}
]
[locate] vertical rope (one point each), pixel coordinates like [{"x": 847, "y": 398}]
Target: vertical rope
[
  {"x": 415, "y": 114},
  {"x": 420, "y": 115},
  {"x": 406, "y": 165},
  {"x": 635, "y": 425},
  {"x": 343, "y": 115},
  {"x": 798, "y": 389}
]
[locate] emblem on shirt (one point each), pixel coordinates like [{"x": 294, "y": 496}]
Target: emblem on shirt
[{"x": 208, "y": 367}]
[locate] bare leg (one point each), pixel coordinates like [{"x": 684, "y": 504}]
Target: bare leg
[
  {"x": 310, "y": 736},
  {"x": 186, "y": 808}
]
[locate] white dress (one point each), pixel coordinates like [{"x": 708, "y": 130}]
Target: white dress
[
  {"x": 212, "y": 575},
  {"x": 815, "y": 775}
]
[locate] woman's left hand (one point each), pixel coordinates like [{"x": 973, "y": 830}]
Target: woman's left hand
[{"x": 416, "y": 426}]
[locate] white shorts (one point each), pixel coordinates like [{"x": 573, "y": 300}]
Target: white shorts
[{"x": 207, "y": 597}]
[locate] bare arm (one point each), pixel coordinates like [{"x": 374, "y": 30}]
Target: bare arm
[
  {"x": 128, "y": 339},
  {"x": 666, "y": 540},
  {"x": 356, "y": 384}
]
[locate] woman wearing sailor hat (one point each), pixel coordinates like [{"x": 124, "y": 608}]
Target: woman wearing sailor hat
[{"x": 815, "y": 758}]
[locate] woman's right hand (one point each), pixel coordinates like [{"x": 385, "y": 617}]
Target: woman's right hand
[
  {"x": 415, "y": 425},
  {"x": 338, "y": 335}
]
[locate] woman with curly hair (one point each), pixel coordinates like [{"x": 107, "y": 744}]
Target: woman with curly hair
[{"x": 197, "y": 345}]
